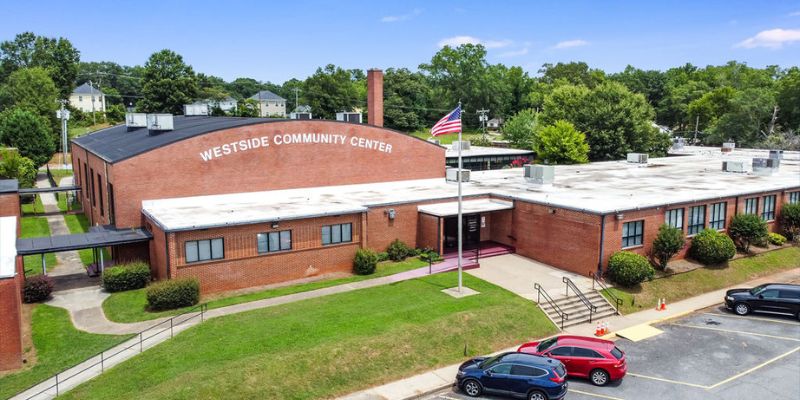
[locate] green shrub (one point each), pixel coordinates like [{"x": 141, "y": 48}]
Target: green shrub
[
  {"x": 790, "y": 221},
  {"x": 173, "y": 293},
  {"x": 37, "y": 288},
  {"x": 482, "y": 141},
  {"x": 399, "y": 251},
  {"x": 629, "y": 269},
  {"x": 747, "y": 229},
  {"x": 712, "y": 247},
  {"x": 135, "y": 275},
  {"x": 777, "y": 239},
  {"x": 365, "y": 262},
  {"x": 383, "y": 256},
  {"x": 668, "y": 243}
]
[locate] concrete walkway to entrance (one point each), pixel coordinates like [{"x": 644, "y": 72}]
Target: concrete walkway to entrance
[{"x": 518, "y": 274}]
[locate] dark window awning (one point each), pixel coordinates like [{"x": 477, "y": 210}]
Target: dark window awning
[{"x": 101, "y": 237}]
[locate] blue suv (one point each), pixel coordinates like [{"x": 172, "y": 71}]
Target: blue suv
[{"x": 514, "y": 374}]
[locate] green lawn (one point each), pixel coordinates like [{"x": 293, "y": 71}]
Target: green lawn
[
  {"x": 59, "y": 174},
  {"x": 446, "y": 139},
  {"x": 78, "y": 223},
  {"x": 703, "y": 280},
  {"x": 35, "y": 207},
  {"x": 36, "y": 227},
  {"x": 328, "y": 346},
  {"x": 58, "y": 346},
  {"x": 83, "y": 130},
  {"x": 62, "y": 202},
  {"x": 131, "y": 306}
]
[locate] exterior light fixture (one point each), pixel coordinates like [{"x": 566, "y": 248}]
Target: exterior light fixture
[
  {"x": 620, "y": 216},
  {"x": 391, "y": 213},
  {"x": 275, "y": 225}
]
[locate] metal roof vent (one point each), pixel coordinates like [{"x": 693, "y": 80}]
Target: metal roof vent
[
  {"x": 765, "y": 166},
  {"x": 734, "y": 166},
  {"x": 158, "y": 123},
  {"x": 678, "y": 143},
  {"x": 453, "y": 175},
  {"x": 135, "y": 121},
  {"x": 464, "y": 145},
  {"x": 353, "y": 117},
  {"x": 728, "y": 147},
  {"x": 195, "y": 109},
  {"x": 434, "y": 141},
  {"x": 776, "y": 154},
  {"x": 637, "y": 158},
  {"x": 539, "y": 174}
]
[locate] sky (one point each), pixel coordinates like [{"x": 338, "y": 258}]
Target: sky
[{"x": 277, "y": 41}]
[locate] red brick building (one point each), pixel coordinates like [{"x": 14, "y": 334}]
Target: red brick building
[{"x": 11, "y": 278}]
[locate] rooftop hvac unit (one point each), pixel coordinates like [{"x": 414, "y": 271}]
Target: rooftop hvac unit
[
  {"x": 728, "y": 147},
  {"x": 539, "y": 174},
  {"x": 195, "y": 109},
  {"x": 776, "y": 154},
  {"x": 452, "y": 175},
  {"x": 135, "y": 120},
  {"x": 157, "y": 123},
  {"x": 765, "y": 166},
  {"x": 353, "y": 117},
  {"x": 678, "y": 143},
  {"x": 434, "y": 141},
  {"x": 637, "y": 158},
  {"x": 733, "y": 166},
  {"x": 300, "y": 115},
  {"x": 464, "y": 145}
]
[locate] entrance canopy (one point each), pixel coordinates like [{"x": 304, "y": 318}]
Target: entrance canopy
[
  {"x": 467, "y": 207},
  {"x": 97, "y": 237}
]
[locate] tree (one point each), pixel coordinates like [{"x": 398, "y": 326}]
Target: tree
[
  {"x": 747, "y": 120},
  {"x": 561, "y": 143},
  {"x": 790, "y": 220},
  {"x": 32, "y": 89},
  {"x": 407, "y": 98},
  {"x": 650, "y": 83},
  {"x": 333, "y": 89},
  {"x": 247, "y": 108},
  {"x": 788, "y": 98},
  {"x": 57, "y": 56},
  {"x": 574, "y": 73},
  {"x": 520, "y": 130},
  {"x": 168, "y": 83},
  {"x": 668, "y": 243},
  {"x": 14, "y": 166},
  {"x": 746, "y": 229},
  {"x": 28, "y": 133}
]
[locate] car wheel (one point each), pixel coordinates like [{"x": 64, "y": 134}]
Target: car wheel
[
  {"x": 599, "y": 377},
  {"x": 536, "y": 395},
  {"x": 741, "y": 309},
  {"x": 472, "y": 388}
]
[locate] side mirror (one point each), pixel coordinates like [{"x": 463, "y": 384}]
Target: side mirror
[
  {"x": 489, "y": 372},
  {"x": 761, "y": 296}
]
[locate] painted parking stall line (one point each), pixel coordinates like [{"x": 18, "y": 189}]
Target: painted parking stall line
[
  {"x": 735, "y": 331},
  {"x": 754, "y": 318},
  {"x": 757, "y": 367},
  {"x": 602, "y": 396}
]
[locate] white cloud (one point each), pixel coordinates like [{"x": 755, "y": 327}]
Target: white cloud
[
  {"x": 514, "y": 53},
  {"x": 795, "y": 14},
  {"x": 773, "y": 38},
  {"x": 456, "y": 41},
  {"x": 571, "y": 43},
  {"x": 403, "y": 17}
]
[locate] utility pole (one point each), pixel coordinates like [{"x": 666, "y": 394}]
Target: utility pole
[
  {"x": 91, "y": 89},
  {"x": 482, "y": 117},
  {"x": 63, "y": 115},
  {"x": 696, "y": 124}
]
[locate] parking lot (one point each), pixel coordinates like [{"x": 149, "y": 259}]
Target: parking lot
[{"x": 710, "y": 354}]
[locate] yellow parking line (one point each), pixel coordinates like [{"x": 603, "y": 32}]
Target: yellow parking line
[
  {"x": 735, "y": 331},
  {"x": 755, "y": 318},
  {"x": 667, "y": 380},
  {"x": 602, "y": 396},
  {"x": 741, "y": 374}
]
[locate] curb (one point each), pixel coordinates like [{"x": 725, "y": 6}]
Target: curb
[{"x": 427, "y": 392}]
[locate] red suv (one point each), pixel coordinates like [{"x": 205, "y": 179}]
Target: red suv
[{"x": 586, "y": 357}]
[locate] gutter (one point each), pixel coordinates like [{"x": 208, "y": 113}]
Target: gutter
[{"x": 602, "y": 241}]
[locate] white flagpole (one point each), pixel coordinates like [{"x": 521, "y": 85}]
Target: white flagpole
[{"x": 460, "y": 221}]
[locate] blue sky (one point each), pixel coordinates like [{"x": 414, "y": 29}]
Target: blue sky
[{"x": 275, "y": 41}]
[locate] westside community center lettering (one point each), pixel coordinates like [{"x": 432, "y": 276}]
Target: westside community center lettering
[{"x": 293, "y": 138}]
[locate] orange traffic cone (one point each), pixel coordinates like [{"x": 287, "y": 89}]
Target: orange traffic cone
[
  {"x": 658, "y": 305},
  {"x": 598, "y": 331},
  {"x": 663, "y": 304},
  {"x": 606, "y": 329}
]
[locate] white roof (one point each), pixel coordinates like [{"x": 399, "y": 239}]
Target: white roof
[
  {"x": 8, "y": 247},
  {"x": 599, "y": 188},
  {"x": 477, "y": 151},
  {"x": 467, "y": 207}
]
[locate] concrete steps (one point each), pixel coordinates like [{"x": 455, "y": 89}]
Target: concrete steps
[{"x": 576, "y": 310}]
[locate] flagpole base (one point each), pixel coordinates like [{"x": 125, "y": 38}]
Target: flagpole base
[{"x": 463, "y": 292}]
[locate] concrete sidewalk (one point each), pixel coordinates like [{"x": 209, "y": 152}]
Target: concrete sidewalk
[{"x": 442, "y": 378}]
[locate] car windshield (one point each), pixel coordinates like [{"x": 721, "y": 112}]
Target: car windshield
[
  {"x": 757, "y": 289},
  {"x": 487, "y": 363},
  {"x": 546, "y": 344}
]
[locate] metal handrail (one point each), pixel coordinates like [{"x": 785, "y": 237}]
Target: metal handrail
[
  {"x": 571, "y": 285},
  {"x": 540, "y": 291},
  {"x": 617, "y": 301},
  {"x": 198, "y": 311}
]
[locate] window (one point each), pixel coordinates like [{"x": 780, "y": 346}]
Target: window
[
  {"x": 100, "y": 192},
  {"x": 524, "y": 370},
  {"x": 717, "y": 218},
  {"x": 94, "y": 198},
  {"x": 581, "y": 352},
  {"x": 697, "y": 219},
  {"x": 768, "y": 214},
  {"x": 769, "y": 294},
  {"x": 565, "y": 351},
  {"x": 274, "y": 241},
  {"x": 85, "y": 181},
  {"x": 794, "y": 197},
  {"x": 632, "y": 233},
  {"x": 674, "y": 218},
  {"x": 617, "y": 353},
  {"x": 204, "y": 250},
  {"x": 339, "y": 233},
  {"x": 504, "y": 369},
  {"x": 751, "y": 206},
  {"x": 789, "y": 294}
]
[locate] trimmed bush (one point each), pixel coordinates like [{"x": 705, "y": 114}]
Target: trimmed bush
[
  {"x": 365, "y": 262},
  {"x": 135, "y": 275},
  {"x": 711, "y": 247},
  {"x": 399, "y": 251},
  {"x": 790, "y": 221},
  {"x": 37, "y": 288},
  {"x": 629, "y": 269},
  {"x": 747, "y": 229},
  {"x": 173, "y": 293},
  {"x": 668, "y": 243},
  {"x": 383, "y": 256},
  {"x": 777, "y": 239}
]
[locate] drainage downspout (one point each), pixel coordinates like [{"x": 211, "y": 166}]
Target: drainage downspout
[
  {"x": 166, "y": 247},
  {"x": 602, "y": 240}
]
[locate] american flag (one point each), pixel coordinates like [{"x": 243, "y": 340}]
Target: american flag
[{"x": 450, "y": 123}]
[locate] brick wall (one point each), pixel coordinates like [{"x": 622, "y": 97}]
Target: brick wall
[
  {"x": 9, "y": 204},
  {"x": 10, "y": 324},
  {"x": 428, "y": 234},
  {"x": 87, "y": 165},
  {"x": 500, "y": 224}
]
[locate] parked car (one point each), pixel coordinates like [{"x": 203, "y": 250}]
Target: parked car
[
  {"x": 778, "y": 298},
  {"x": 513, "y": 374},
  {"x": 586, "y": 357}
]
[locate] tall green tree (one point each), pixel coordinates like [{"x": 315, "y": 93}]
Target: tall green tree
[
  {"x": 561, "y": 143},
  {"x": 747, "y": 120},
  {"x": 14, "y": 166},
  {"x": 333, "y": 89},
  {"x": 650, "y": 83},
  {"x": 520, "y": 129},
  {"x": 27, "y": 132},
  {"x": 120, "y": 84},
  {"x": 407, "y": 99},
  {"x": 32, "y": 89},
  {"x": 57, "y": 56},
  {"x": 168, "y": 83},
  {"x": 575, "y": 73},
  {"x": 788, "y": 99}
]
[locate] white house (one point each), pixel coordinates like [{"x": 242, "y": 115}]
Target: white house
[
  {"x": 494, "y": 124},
  {"x": 270, "y": 104},
  {"x": 88, "y": 99}
]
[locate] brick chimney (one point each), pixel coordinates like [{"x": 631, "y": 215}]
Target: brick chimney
[{"x": 375, "y": 97}]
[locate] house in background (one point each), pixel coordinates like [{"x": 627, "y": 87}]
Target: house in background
[
  {"x": 494, "y": 124},
  {"x": 301, "y": 112},
  {"x": 206, "y": 106},
  {"x": 88, "y": 99},
  {"x": 270, "y": 104}
]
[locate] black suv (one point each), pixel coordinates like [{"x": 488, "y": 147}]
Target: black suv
[{"x": 778, "y": 298}]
